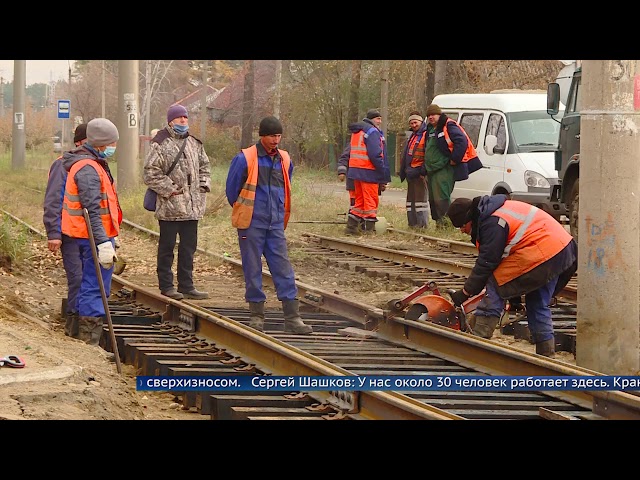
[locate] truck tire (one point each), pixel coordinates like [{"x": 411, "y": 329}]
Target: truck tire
[{"x": 573, "y": 210}]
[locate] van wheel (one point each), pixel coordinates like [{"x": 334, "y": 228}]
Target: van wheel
[{"x": 573, "y": 210}]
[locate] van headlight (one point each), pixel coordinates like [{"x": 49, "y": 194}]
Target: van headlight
[{"x": 535, "y": 180}]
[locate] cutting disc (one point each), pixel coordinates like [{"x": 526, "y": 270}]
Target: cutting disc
[{"x": 437, "y": 309}]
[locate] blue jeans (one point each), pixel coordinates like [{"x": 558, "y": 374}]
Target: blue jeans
[
  {"x": 90, "y": 302},
  {"x": 537, "y": 304},
  {"x": 256, "y": 242},
  {"x": 72, "y": 262}
]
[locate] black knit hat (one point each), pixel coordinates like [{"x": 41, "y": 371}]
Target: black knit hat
[
  {"x": 459, "y": 211},
  {"x": 80, "y": 133},
  {"x": 270, "y": 126},
  {"x": 373, "y": 113}
]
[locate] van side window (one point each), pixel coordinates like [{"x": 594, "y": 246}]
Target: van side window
[
  {"x": 495, "y": 126},
  {"x": 452, "y": 115},
  {"x": 471, "y": 123}
]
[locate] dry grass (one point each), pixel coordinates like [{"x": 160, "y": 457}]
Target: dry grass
[{"x": 22, "y": 191}]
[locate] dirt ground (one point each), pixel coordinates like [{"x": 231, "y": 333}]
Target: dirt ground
[{"x": 65, "y": 378}]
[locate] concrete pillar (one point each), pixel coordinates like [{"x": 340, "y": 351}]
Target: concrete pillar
[
  {"x": 18, "y": 134},
  {"x": 608, "y": 322},
  {"x": 129, "y": 175}
]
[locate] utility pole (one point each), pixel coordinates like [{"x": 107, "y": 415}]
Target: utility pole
[
  {"x": 128, "y": 124},
  {"x": 103, "y": 104},
  {"x": 65, "y": 141},
  {"x": 18, "y": 140},
  {"x": 608, "y": 315}
]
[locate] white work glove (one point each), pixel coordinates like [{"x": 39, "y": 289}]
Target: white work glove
[
  {"x": 106, "y": 255},
  {"x": 116, "y": 240}
]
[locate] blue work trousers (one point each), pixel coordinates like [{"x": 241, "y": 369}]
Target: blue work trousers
[
  {"x": 256, "y": 242},
  {"x": 89, "y": 297},
  {"x": 72, "y": 262},
  {"x": 537, "y": 304}
]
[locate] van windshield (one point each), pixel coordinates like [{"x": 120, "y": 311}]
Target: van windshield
[{"x": 534, "y": 129}]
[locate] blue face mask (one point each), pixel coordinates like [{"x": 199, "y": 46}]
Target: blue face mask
[
  {"x": 109, "y": 151},
  {"x": 180, "y": 129}
]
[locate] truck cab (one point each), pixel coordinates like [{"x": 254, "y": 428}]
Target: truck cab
[{"x": 567, "y": 160}]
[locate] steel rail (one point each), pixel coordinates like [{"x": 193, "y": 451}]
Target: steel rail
[
  {"x": 278, "y": 358},
  {"x": 452, "y": 345},
  {"x": 569, "y": 293}
]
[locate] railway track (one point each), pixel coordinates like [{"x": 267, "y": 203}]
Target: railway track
[
  {"x": 448, "y": 263},
  {"x": 162, "y": 336},
  {"x": 196, "y": 340}
]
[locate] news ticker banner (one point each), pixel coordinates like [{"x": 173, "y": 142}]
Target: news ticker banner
[{"x": 257, "y": 383}]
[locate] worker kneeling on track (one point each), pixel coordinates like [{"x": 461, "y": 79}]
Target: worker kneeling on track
[{"x": 521, "y": 251}]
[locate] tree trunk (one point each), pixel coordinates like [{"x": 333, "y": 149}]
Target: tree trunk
[
  {"x": 247, "y": 104},
  {"x": 354, "y": 96}
]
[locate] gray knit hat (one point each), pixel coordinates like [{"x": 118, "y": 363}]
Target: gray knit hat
[{"x": 101, "y": 132}]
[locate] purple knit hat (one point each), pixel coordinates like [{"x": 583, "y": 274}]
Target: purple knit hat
[{"x": 176, "y": 111}]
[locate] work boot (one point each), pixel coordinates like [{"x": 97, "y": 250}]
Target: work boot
[
  {"x": 256, "y": 318},
  {"x": 71, "y": 325},
  {"x": 90, "y": 329},
  {"x": 292, "y": 321},
  {"x": 194, "y": 294},
  {"x": 172, "y": 293},
  {"x": 369, "y": 227},
  {"x": 546, "y": 348},
  {"x": 484, "y": 326},
  {"x": 352, "y": 226}
]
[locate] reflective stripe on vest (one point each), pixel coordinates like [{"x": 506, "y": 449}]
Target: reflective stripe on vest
[
  {"x": 242, "y": 211},
  {"x": 73, "y": 222},
  {"x": 358, "y": 157},
  {"x": 417, "y": 157},
  {"x": 469, "y": 153},
  {"x": 534, "y": 237}
]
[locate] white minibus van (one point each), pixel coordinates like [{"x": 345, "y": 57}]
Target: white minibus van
[{"x": 515, "y": 139}]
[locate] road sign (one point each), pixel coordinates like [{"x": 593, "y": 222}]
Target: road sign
[{"x": 64, "y": 107}]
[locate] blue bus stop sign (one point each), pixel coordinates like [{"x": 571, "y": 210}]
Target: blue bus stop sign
[{"x": 64, "y": 108}]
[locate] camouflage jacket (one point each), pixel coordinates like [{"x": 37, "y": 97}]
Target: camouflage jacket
[{"x": 191, "y": 176}]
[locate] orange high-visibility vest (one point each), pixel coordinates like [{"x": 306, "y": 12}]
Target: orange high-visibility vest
[
  {"x": 358, "y": 157},
  {"x": 534, "y": 237},
  {"x": 242, "y": 211},
  {"x": 73, "y": 223},
  {"x": 417, "y": 159},
  {"x": 471, "y": 150}
]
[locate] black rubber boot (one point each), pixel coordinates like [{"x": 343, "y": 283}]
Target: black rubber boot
[
  {"x": 352, "y": 226},
  {"x": 71, "y": 325},
  {"x": 256, "y": 318},
  {"x": 90, "y": 330},
  {"x": 484, "y": 326},
  {"x": 369, "y": 227},
  {"x": 292, "y": 321},
  {"x": 546, "y": 348}
]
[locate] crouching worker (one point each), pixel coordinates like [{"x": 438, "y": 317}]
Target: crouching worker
[
  {"x": 522, "y": 250},
  {"x": 90, "y": 185}
]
